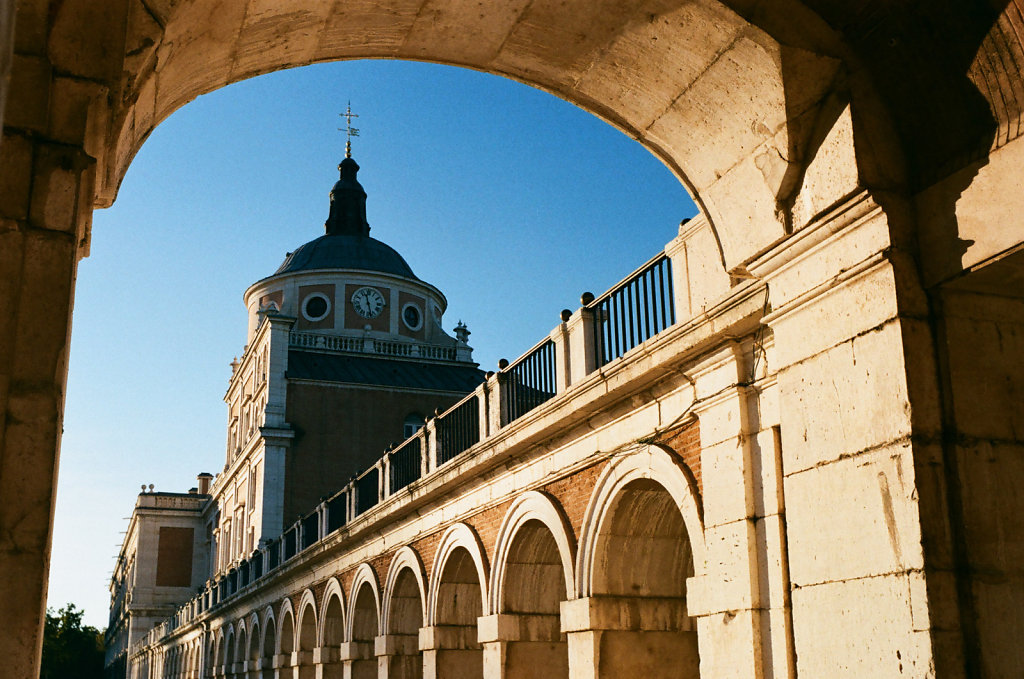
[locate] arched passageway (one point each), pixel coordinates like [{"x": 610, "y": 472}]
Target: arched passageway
[
  {"x": 305, "y": 669},
  {"x": 287, "y": 641},
  {"x": 458, "y": 603},
  {"x": 333, "y": 636},
  {"x": 252, "y": 651},
  {"x": 532, "y": 591},
  {"x": 365, "y": 625},
  {"x": 641, "y": 561},
  {"x": 238, "y": 667},
  {"x": 401, "y": 657},
  {"x": 268, "y": 657}
]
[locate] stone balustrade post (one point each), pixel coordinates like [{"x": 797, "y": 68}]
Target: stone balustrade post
[
  {"x": 563, "y": 358},
  {"x": 583, "y": 346},
  {"x": 385, "y": 476},
  {"x": 429, "y": 446}
]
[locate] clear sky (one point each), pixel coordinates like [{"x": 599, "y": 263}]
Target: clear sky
[{"x": 508, "y": 199}]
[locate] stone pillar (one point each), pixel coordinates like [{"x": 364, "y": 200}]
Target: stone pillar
[
  {"x": 357, "y": 660},
  {"x": 612, "y": 637},
  {"x": 861, "y": 460},
  {"x": 46, "y": 188},
  {"x": 451, "y": 651},
  {"x": 519, "y": 646},
  {"x": 583, "y": 347},
  {"x": 327, "y": 663},
  {"x": 398, "y": 656}
]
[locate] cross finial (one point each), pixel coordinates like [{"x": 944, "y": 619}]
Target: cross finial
[{"x": 349, "y": 130}]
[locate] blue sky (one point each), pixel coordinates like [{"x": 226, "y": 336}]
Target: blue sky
[{"x": 509, "y": 200}]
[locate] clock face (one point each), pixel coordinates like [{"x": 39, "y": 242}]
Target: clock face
[{"x": 367, "y": 302}]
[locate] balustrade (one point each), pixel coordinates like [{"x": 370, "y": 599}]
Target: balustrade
[{"x": 405, "y": 466}]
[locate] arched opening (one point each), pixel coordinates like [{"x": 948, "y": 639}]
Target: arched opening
[
  {"x": 241, "y": 645},
  {"x": 333, "y": 637},
  {"x": 307, "y": 642},
  {"x": 405, "y": 617},
  {"x": 269, "y": 654},
  {"x": 287, "y": 640},
  {"x": 458, "y": 604},
  {"x": 533, "y": 589},
  {"x": 252, "y": 651},
  {"x": 641, "y": 561},
  {"x": 228, "y": 659},
  {"x": 365, "y": 624}
]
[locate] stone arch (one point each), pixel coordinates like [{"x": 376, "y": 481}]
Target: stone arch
[
  {"x": 252, "y": 651},
  {"x": 363, "y": 624},
  {"x": 403, "y": 612},
  {"x": 331, "y": 634},
  {"x": 241, "y": 645},
  {"x": 268, "y": 645},
  {"x": 227, "y": 658},
  {"x": 457, "y": 599},
  {"x": 306, "y": 635},
  {"x": 537, "y": 507},
  {"x": 332, "y": 627},
  {"x": 651, "y": 463},
  {"x": 531, "y": 577},
  {"x": 286, "y": 629},
  {"x": 636, "y": 553},
  {"x": 702, "y": 56},
  {"x": 459, "y": 536}
]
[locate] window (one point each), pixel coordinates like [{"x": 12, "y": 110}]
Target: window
[
  {"x": 411, "y": 317},
  {"x": 316, "y": 307},
  {"x": 413, "y": 423}
]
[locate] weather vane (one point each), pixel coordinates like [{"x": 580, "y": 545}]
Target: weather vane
[{"x": 349, "y": 130}]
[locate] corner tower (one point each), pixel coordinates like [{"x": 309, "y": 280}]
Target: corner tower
[{"x": 345, "y": 354}]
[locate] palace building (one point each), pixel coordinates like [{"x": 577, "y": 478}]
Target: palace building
[{"x": 345, "y": 354}]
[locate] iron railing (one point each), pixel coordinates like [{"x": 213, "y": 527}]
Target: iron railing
[
  {"x": 458, "y": 429},
  {"x": 367, "y": 489},
  {"x": 337, "y": 515},
  {"x": 310, "y": 529},
  {"x": 635, "y": 310},
  {"x": 529, "y": 381},
  {"x": 405, "y": 462}
]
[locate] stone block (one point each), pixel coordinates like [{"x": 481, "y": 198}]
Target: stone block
[
  {"x": 730, "y": 582},
  {"x": 729, "y": 644},
  {"x": 724, "y": 474},
  {"x": 15, "y": 176},
  {"x": 56, "y": 173},
  {"x": 991, "y": 475},
  {"x": 765, "y": 473},
  {"x": 850, "y": 398},
  {"x": 854, "y": 518},
  {"x": 776, "y": 641},
  {"x": 29, "y": 94},
  {"x": 858, "y": 628},
  {"x": 624, "y": 613},
  {"x": 831, "y": 173},
  {"x": 846, "y": 310}
]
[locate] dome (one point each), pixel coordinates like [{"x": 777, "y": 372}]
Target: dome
[{"x": 346, "y": 252}]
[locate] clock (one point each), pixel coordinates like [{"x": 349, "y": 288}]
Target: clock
[{"x": 368, "y": 302}]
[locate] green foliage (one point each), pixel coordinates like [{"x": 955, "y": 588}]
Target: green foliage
[{"x": 71, "y": 650}]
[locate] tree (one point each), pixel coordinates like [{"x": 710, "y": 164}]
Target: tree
[{"x": 71, "y": 650}]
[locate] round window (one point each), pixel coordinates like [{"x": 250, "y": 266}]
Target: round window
[
  {"x": 411, "y": 317},
  {"x": 316, "y": 307}
]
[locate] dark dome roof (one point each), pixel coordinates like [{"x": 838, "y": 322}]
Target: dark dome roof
[{"x": 346, "y": 252}]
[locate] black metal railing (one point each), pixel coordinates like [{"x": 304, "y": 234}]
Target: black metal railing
[
  {"x": 529, "y": 381},
  {"x": 457, "y": 429},
  {"x": 337, "y": 514},
  {"x": 405, "y": 464},
  {"x": 274, "y": 555},
  {"x": 290, "y": 539},
  {"x": 310, "y": 529},
  {"x": 257, "y": 566},
  {"x": 634, "y": 311},
  {"x": 367, "y": 489}
]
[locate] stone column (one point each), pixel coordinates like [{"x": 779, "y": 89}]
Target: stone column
[
  {"x": 398, "y": 656},
  {"x": 327, "y": 663},
  {"x": 357, "y": 659},
  {"x": 519, "y": 646},
  {"x": 46, "y": 188},
  {"x": 451, "y": 651}
]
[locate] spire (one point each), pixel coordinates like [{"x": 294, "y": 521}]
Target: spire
[{"x": 348, "y": 199}]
